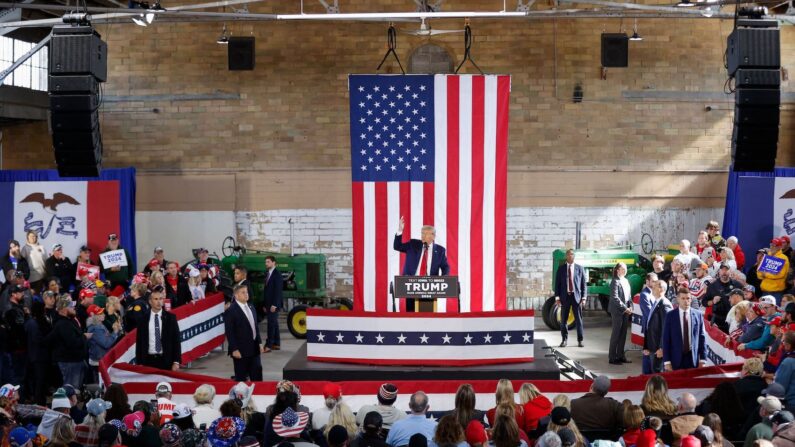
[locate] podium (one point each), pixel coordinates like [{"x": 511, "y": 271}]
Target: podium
[{"x": 424, "y": 290}]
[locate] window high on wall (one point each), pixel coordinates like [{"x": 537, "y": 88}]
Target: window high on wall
[{"x": 33, "y": 73}]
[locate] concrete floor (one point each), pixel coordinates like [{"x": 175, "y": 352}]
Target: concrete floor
[{"x": 593, "y": 356}]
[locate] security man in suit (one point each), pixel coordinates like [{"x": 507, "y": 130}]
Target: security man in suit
[
  {"x": 423, "y": 256},
  {"x": 653, "y": 327},
  {"x": 571, "y": 290},
  {"x": 242, "y": 335},
  {"x": 158, "y": 342},
  {"x": 684, "y": 342},
  {"x": 273, "y": 302}
]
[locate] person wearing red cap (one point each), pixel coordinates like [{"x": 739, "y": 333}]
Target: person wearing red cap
[
  {"x": 332, "y": 393},
  {"x": 786, "y": 248},
  {"x": 86, "y": 298},
  {"x": 775, "y": 283},
  {"x": 101, "y": 340}
]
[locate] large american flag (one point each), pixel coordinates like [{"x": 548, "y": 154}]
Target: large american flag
[{"x": 433, "y": 149}]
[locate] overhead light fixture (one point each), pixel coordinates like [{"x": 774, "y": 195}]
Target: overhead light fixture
[
  {"x": 707, "y": 12},
  {"x": 223, "y": 39},
  {"x": 685, "y": 4},
  {"x": 146, "y": 19},
  {"x": 635, "y": 36}
]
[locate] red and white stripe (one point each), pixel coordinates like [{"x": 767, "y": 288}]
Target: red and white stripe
[{"x": 466, "y": 202}]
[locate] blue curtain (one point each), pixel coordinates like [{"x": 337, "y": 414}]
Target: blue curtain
[
  {"x": 732, "y": 212},
  {"x": 126, "y": 179}
]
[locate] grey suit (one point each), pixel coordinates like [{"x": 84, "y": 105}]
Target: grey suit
[{"x": 616, "y": 307}]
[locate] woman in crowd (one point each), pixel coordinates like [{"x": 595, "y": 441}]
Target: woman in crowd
[
  {"x": 371, "y": 434},
  {"x": 561, "y": 418},
  {"x": 535, "y": 404},
  {"x": 504, "y": 395},
  {"x": 206, "y": 281},
  {"x": 34, "y": 253},
  {"x": 633, "y": 417},
  {"x": 112, "y": 314},
  {"x": 727, "y": 258},
  {"x": 195, "y": 285},
  {"x": 505, "y": 433},
  {"x": 448, "y": 433},
  {"x": 63, "y": 434},
  {"x": 713, "y": 421},
  {"x": 283, "y": 401},
  {"x": 203, "y": 412},
  {"x": 120, "y": 404},
  {"x": 738, "y": 323},
  {"x": 703, "y": 247},
  {"x": 101, "y": 339},
  {"x": 87, "y": 433},
  {"x": 39, "y": 356},
  {"x": 464, "y": 410},
  {"x": 342, "y": 415},
  {"x": 655, "y": 400},
  {"x": 54, "y": 285},
  {"x": 157, "y": 279}
]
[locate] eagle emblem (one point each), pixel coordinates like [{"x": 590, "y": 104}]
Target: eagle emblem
[{"x": 52, "y": 204}]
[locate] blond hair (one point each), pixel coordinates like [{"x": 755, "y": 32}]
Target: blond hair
[
  {"x": 63, "y": 432},
  {"x": 504, "y": 392},
  {"x": 111, "y": 303},
  {"x": 740, "y": 310},
  {"x": 752, "y": 367},
  {"x": 571, "y": 426},
  {"x": 341, "y": 414},
  {"x": 204, "y": 394},
  {"x": 562, "y": 400},
  {"x": 655, "y": 397},
  {"x": 157, "y": 278},
  {"x": 528, "y": 392}
]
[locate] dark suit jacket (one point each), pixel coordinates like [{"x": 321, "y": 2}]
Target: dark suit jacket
[
  {"x": 672, "y": 338},
  {"x": 274, "y": 290},
  {"x": 562, "y": 286},
  {"x": 654, "y": 327},
  {"x": 181, "y": 295},
  {"x": 618, "y": 302},
  {"x": 169, "y": 334},
  {"x": 238, "y": 331},
  {"x": 413, "y": 249}
]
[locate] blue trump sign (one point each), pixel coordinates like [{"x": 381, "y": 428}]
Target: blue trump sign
[{"x": 771, "y": 264}]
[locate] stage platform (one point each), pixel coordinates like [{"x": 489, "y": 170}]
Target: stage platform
[{"x": 542, "y": 368}]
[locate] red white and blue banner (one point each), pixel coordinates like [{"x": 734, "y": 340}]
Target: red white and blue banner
[
  {"x": 783, "y": 206},
  {"x": 386, "y": 338},
  {"x": 433, "y": 149},
  {"x": 70, "y": 213},
  {"x": 201, "y": 327}
]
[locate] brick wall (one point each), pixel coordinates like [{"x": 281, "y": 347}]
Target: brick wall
[
  {"x": 170, "y": 102},
  {"x": 532, "y": 234}
]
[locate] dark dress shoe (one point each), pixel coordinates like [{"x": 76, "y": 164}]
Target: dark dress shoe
[
  {"x": 580, "y": 345},
  {"x": 625, "y": 361},
  {"x": 276, "y": 347},
  {"x": 563, "y": 344},
  {"x": 615, "y": 362}
]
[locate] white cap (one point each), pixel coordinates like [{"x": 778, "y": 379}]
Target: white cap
[
  {"x": 767, "y": 299},
  {"x": 163, "y": 387}
]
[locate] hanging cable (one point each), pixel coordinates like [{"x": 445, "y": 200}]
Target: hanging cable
[
  {"x": 467, "y": 49},
  {"x": 391, "y": 39}
]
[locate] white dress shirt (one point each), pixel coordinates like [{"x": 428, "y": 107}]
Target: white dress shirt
[
  {"x": 249, "y": 317},
  {"x": 627, "y": 289},
  {"x": 152, "y": 349}
]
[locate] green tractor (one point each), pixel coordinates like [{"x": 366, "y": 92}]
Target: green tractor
[
  {"x": 598, "y": 266},
  {"x": 304, "y": 281}
]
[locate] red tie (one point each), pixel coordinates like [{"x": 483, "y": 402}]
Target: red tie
[
  {"x": 571, "y": 278},
  {"x": 424, "y": 263},
  {"x": 686, "y": 332}
]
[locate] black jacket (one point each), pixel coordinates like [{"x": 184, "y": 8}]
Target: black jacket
[
  {"x": 22, "y": 265},
  {"x": 721, "y": 309},
  {"x": 273, "y": 290},
  {"x": 36, "y": 331},
  {"x": 748, "y": 389},
  {"x": 67, "y": 341},
  {"x": 15, "y": 322},
  {"x": 181, "y": 295},
  {"x": 654, "y": 330},
  {"x": 135, "y": 311},
  {"x": 61, "y": 269},
  {"x": 238, "y": 331},
  {"x": 170, "y": 336}
]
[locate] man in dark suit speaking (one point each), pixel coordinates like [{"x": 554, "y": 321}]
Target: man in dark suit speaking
[
  {"x": 570, "y": 288},
  {"x": 242, "y": 334},
  {"x": 684, "y": 343},
  {"x": 423, "y": 256},
  {"x": 158, "y": 341}
]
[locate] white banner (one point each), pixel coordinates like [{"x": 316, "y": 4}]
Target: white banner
[
  {"x": 784, "y": 207},
  {"x": 113, "y": 258}
]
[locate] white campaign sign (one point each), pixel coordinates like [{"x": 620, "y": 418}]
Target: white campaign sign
[
  {"x": 113, "y": 258},
  {"x": 784, "y": 207}
]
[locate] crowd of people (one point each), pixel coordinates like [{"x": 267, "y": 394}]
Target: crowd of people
[{"x": 749, "y": 412}]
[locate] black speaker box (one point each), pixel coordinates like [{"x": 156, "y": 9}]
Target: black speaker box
[
  {"x": 74, "y": 103},
  {"x": 78, "y": 50},
  {"x": 78, "y": 154},
  {"x": 73, "y": 158},
  {"x": 757, "y": 116},
  {"x": 241, "y": 53},
  {"x": 755, "y": 136},
  {"x": 74, "y": 84},
  {"x": 757, "y": 97},
  {"x": 753, "y": 48},
  {"x": 615, "y": 50},
  {"x": 79, "y": 170},
  {"x": 76, "y": 141},
  {"x": 71, "y": 121},
  {"x": 757, "y": 78},
  {"x": 753, "y": 158}
]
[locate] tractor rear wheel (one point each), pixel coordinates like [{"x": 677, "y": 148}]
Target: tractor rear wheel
[
  {"x": 546, "y": 311},
  {"x": 553, "y": 315},
  {"x": 296, "y": 321},
  {"x": 343, "y": 304}
]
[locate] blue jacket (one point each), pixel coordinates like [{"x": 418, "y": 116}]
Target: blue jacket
[
  {"x": 672, "y": 338},
  {"x": 273, "y": 291},
  {"x": 785, "y": 376},
  {"x": 562, "y": 286},
  {"x": 764, "y": 340},
  {"x": 645, "y": 308},
  {"x": 100, "y": 342},
  {"x": 413, "y": 249}
]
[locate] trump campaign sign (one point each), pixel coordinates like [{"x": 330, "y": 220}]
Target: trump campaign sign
[{"x": 70, "y": 213}]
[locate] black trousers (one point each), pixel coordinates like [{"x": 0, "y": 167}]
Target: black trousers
[
  {"x": 248, "y": 368},
  {"x": 569, "y": 305},
  {"x": 687, "y": 361},
  {"x": 156, "y": 361}
]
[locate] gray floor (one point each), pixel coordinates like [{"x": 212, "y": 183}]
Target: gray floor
[{"x": 593, "y": 356}]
